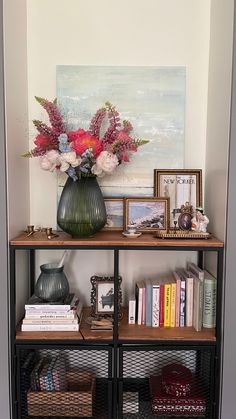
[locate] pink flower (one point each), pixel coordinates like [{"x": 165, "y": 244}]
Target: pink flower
[
  {"x": 105, "y": 164},
  {"x": 82, "y": 140}
]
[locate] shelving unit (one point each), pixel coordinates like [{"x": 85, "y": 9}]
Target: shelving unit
[{"x": 131, "y": 353}]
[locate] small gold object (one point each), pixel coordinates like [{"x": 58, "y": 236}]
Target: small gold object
[
  {"x": 30, "y": 230},
  {"x": 49, "y": 233}
]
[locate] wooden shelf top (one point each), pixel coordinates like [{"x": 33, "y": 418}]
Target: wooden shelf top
[
  {"x": 126, "y": 333},
  {"x": 111, "y": 239}
]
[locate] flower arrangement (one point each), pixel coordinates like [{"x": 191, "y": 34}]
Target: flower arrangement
[{"x": 83, "y": 152}]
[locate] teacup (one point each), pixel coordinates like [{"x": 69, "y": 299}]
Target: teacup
[{"x": 131, "y": 229}]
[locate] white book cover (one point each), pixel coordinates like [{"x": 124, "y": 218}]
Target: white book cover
[
  {"x": 156, "y": 305},
  {"x": 50, "y": 327},
  {"x": 35, "y": 303},
  {"x": 52, "y": 315},
  {"x": 50, "y": 321},
  {"x": 132, "y": 310},
  {"x": 139, "y": 300}
]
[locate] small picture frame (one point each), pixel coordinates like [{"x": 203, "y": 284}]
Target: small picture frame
[
  {"x": 115, "y": 214},
  {"x": 181, "y": 186},
  {"x": 102, "y": 296},
  {"x": 147, "y": 214}
]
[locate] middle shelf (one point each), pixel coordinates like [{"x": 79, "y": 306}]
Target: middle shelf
[{"x": 126, "y": 332}]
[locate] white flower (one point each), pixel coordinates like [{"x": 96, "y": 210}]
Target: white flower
[
  {"x": 50, "y": 160},
  {"x": 69, "y": 159},
  {"x": 105, "y": 164}
]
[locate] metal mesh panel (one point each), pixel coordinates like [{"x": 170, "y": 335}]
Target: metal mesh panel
[
  {"x": 166, "y": 383},
  {"x": 64, "y": 384}
]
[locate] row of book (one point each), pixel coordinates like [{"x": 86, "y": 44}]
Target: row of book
[
  {"x": 186, "y": 297},
  {"x": 52, "y": 316}
]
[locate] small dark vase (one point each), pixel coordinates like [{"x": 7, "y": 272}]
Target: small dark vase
[
  {"x": 52, "y": 283},
  {"x": 81, "y": 211}
]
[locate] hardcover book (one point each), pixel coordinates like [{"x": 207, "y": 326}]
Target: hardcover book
[
  {"x": 155, "y": 305},
  {"x": 209, "y": 301},
  {"x": 193, "y": 404},
  {"x": 35, "y": 303}
]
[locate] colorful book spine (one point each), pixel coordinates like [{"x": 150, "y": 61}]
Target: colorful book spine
[
  {"x": 161, "y": 322},
  {"x": 177, "y": 301},
  {"x": 182, "y": 303},
  {"x": 148, "y": 303},
  {"x": 156, "y": 305},
  {"x": 189, "y": 301},
  {"x": 167, "y": 304},
  {"x": 172, "y": 304},
  {"x": 209, "y": 301}
]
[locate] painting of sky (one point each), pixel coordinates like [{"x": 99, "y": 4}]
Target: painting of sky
[{"x": 151, "y": 98}]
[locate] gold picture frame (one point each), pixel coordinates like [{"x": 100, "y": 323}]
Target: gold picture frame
[
  {"x": 181, "y": 186},
  {"x": 147, "y": 214},
  {"x": 115, "y": 213}
]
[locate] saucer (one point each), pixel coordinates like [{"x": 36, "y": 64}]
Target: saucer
[{"x": 131, "y": 235}]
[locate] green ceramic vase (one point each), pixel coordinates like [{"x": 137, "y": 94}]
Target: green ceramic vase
[{"x": 81, "y": 210}]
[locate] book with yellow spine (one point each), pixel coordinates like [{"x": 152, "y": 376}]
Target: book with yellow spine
[{"x": 167, "y": 304}]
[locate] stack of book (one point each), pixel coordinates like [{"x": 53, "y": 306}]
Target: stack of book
[
  {"x": 52, "y": 316},
  {"x": 186, "y": 297}
]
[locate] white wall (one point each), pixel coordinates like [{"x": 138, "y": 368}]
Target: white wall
[{"x": 116, "y": 33}]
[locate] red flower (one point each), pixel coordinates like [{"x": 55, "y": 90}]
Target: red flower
[
  {"x": 82, "y": 140},
  {"x": 43, "y": 142}
]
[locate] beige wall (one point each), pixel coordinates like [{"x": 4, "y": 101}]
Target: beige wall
[
  {"x": 116, "y": 33},
  {"x": 218, "y": 114}
]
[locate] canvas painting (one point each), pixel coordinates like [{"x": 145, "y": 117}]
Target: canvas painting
[{"x": 152, "y": 98}]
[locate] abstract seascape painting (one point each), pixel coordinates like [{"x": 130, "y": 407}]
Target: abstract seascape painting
[{"x": 151, "y": 98}]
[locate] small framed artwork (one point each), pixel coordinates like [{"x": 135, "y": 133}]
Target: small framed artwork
[
  {"x": 102, "y": 295},
  {"x": 181, "y": 186},
  {"x": 147, "y": 214},
  {"x": 115, "y": 213}
]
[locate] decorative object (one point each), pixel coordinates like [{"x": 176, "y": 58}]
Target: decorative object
[
  {"x": 52, "y": 284},
  {"x": 83, "y": 155},
  {"x": 115, "y": 213},
  {"x": 180, "y": 185},
  {"x": 147, "y": 214},
  {"x": 199, "y": 221},
  {"x": 102, "y": 296},
  {"x": 185, "y": 217},
  {"x": 152, "y": 97},
  {"x": 131, "y": 235},
  {"x": 176, "y": 380},
  {"x": 181, "y": 234}
]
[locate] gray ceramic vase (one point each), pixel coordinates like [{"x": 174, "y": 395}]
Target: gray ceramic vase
[{"x": 52, "y": 284}]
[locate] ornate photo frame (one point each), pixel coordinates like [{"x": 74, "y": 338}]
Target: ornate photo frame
[
  {"x": 181, "y": 186},
  {"x": 102, "y": 296}
]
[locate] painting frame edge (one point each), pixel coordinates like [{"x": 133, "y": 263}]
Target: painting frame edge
[
  {"x": 115, "y": 199},
  {"x": 166, "y": 200}
]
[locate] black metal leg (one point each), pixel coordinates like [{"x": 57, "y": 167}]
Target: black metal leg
[
  {"x": 31, "y": 270},
  {"x": 115, "y": 331}
]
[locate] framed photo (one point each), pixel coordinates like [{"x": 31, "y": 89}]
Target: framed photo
[
  {"x": 181, "y": 186},
  {"x": 115, "y": 213},
  {"x": 147, "y": 214},
  {"x": 102, "y": 295}
]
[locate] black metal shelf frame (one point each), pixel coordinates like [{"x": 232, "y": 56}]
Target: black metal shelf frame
[{"x": 117, "y": 345}]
